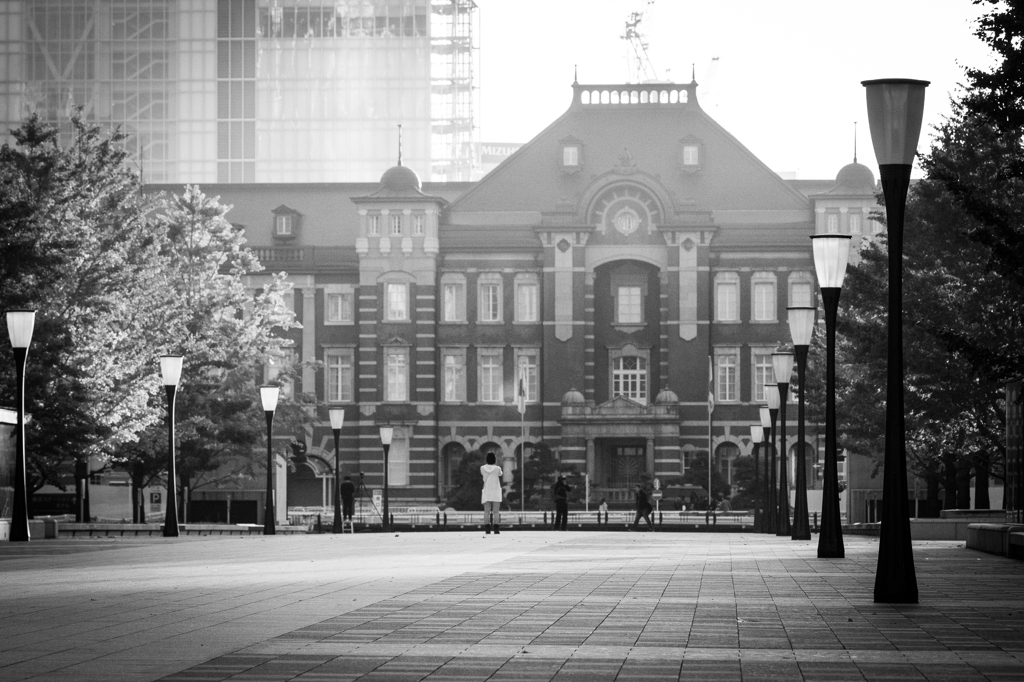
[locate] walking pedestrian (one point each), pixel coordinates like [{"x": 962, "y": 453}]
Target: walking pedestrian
[
  {"x": 561, "y": 494},
  {"x": 643, "y": 508},
  {"x": 491, "y": 494}
]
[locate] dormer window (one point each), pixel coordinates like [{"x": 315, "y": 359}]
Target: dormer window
[
  {"x": 691, "y": 154},
  {"x": 417, "y": 225},
  {"x": 396, "y": 225},
  {"x": 283, "y": 225},
  {"x": 570, "y": 158},
  {"x": 286, "y": 223},
  {"x": 373, "y": 225}
]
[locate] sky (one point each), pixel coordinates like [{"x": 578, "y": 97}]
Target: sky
[{"x": 787, "y": 81}]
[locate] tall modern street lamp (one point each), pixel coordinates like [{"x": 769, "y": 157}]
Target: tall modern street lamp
[
  {"x": 170, "y": 371},
  {"x": 766, "y": 429},
  {"x": 782, "y": 363},
  {"x": 772, "y": 396},
  {"x": 801, "y": 328},
  {"x": 268, "y": 396},
  {"x": 831, "y": 252},
  {"x": 895, "y": 110},
  {"x": 19, "y": 327},
  {"x": 756, "y": 436},
  {"x": 337, "y": 415},
  {"x": 386, "y": 434}
]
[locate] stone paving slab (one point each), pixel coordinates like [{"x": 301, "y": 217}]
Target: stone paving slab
[{"x": 519, "y": 606}]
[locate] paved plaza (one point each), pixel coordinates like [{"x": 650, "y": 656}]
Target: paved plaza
[{"x": 518, "y": 606}]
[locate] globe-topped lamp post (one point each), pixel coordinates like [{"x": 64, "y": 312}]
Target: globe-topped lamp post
[
  {"x": 337, "y": 416},
  {"x": 773, "y": 397},
  {"x": 756, "y": 436},
  {"x": 268, "y": 396},
  {"x": 766, "y": 429},
  {"x": 20, "y": 324}
]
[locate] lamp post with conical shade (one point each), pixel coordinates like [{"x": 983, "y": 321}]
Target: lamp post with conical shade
[
  {"x": 772, "y": 397},
  {"x": 337, "y": 416},
  {"x": 895, "y": 112},
  {"x": 766, "y": 429},
  {"x": 831, "y": 252},
  {"x": 20, "y": 324},
  {"x": 756, "y": 436},
  {"x": 268, "y": 396},
  {"x": 782, "y": 364},
  {"x": 170, "y": 372},
  {"x": 386, "y": 434},
  {"x": 801, "y": 328}
]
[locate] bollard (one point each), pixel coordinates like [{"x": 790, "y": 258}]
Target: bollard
[
  {"x": 605, "y": 518},
  {"x": 391, "y": 525},
  {"x": 438, "y": 521},
  {"x": 714, "y": 519},
  {"x": 446, "y": 518},
  {"x": 815, "y": 520},
  {"x": 319, "y": 528},
  {"x": 545, "y": 519},
  {"x": 520, "y": 520},
  {"x": 599, "y": 519},
  {"x": 661, "y": 518}
]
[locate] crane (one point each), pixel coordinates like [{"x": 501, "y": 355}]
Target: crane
[{"x": 639, "y": 62}]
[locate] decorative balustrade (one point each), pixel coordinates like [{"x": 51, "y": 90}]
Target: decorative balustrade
[{"x": 638, "y": 95}]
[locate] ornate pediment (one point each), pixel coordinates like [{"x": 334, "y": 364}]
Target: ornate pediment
[{"x": 620, "y": 406}]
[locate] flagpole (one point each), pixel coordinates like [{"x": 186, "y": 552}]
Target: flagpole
[
  {"x": 521, "y": 400},
  {"x": 711, "y": 409}
]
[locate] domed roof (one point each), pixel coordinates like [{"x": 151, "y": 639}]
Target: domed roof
[
  {"x": 855, "y": 178},
  {"x": 666, "y": 397},
  {"x": 573, "y": 397},
  {"x": 400, "y": 179}
]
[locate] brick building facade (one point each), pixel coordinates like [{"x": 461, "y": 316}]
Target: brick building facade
[{"x": 609, "y": 262}]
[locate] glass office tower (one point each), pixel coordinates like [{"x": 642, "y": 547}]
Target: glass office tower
[{"x": 252, "y": 90}]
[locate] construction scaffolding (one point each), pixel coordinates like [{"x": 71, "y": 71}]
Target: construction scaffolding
[{"x": 451, "y": 94}]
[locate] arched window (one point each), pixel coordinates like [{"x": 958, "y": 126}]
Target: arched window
[{"x": 629, "y": 378}]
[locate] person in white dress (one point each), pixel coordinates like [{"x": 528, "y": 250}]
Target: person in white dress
[{"x": 491, "y": 495}]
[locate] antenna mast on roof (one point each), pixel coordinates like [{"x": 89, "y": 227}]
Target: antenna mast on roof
[
  {"x": 641, "y": 70},
  {"x": 855, "y": 142},
  {"x": 399, "y": 144}
]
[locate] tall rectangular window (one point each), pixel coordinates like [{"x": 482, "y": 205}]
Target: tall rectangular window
[
  {"x": 489, "y": 371},
  {"x": 339, "y": 376},
  {"x": 629, "y": 378},
  {"x": 453, "y": 302},
  {"x": 397, "y": 301},
  {"x": 417, "y": 224},
  {"x": 398, "y": 458},
  {"x": 763, "y": 372},
  {"x": 527, "y": 370},
  {"x": 691, "y": 155},
  {"x": 727, "y": 376},
  {"x": 489, "y": 298},
  {"x": 453, "y": 363},
  {"x": 396, "y": 370},
  {"x": 832, "y": 222},
  {"x": 764, "y": 301},
  {"x": 527, "y": 295},
  {"x": 396, "y": 224},
  {"x": 800, "y": 293},
  {"x": 373, "y": 225},
  {"x": 629, "y": 305},
  {"x": 727, "y": 293},
  {"x": 854, "y": 223},
  {"x": 339, "y": 307}
]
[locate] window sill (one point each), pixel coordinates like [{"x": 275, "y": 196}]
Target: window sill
[
  {"x": 630, "y": 328},
  {"x": 764, "y": 322},
  {"x": 339, "y": 323},
  {"x": 454, "y": 322},
  {"x": 491, "y": 323}
]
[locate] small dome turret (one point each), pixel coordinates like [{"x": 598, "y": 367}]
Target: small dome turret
[
  {"x": 573, "y": 397},
  {"x": 400, "y": 179},
  {"x": 666, "y": 396},
  {"x": 855, "y": 178}
]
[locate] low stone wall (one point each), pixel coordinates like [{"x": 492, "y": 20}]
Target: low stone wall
[
  {"x": 993, "y": 538},
  {"x": 71, "y": 530}
]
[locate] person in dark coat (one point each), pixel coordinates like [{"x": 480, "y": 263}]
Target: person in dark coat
[
  {"x": 348, "y": 497},
  {"x": 561, "y": 494},
  {"x": 643, "y": 508}
]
